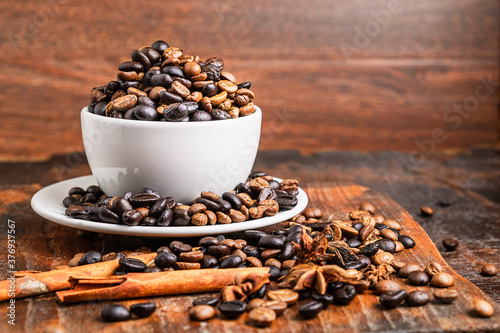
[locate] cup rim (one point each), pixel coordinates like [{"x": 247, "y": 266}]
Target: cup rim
[{"x": 169, "y": 124}]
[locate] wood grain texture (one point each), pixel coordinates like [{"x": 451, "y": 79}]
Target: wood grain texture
[
  {"x": 394, "y": 88},
  {"x": 363, "y": 314}
]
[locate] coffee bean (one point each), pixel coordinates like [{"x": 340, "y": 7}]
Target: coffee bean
[
  {"x": 180, "y": 217},
  {"x": 261, "y": 317},
  {"x": 132, "y": 265},
  {"x": 145, "y": 112},
  {"x": 278, "y": 307},
  {"x": 178, "y": 247},
  {"x": 232, "y": 309},
  {"x": 207, "y": 241},
  {"x": 370, "y": 208},
  {"x": 393, "y": 299},
  {"x": 165, "y": 217},
  {"x": 344, "y": 295},
  {"x": 90, "y": 257},
  {"x": 450, "y": 244},
  {"x": 387, "y": 286},
  {"x": 446, "y": 296},
  {"x": 212, "y": 301},
  {"x": 200, "y": 116},
  {"x": 432, "y": 269},
  {"x": 201, "y": 312},
  {"x": 369, "y": 250},
  {"x": 143, "y": 310},
  {"x": 218, "y": 114},
  {"x": 218, "y": 251},
  {"x": 288, "y": 296},
  {"x": 354, "y": 242},
  {"x": 76, "y": 190},
  {"x": 483, "y": 308},
  {"x": 261, "y": 293},
  {"x": 115, "y": 312},
  {"x": 408, "y": 268},
  {"x": 489, "y": 270},
  {"x": 442, "y": 280},
  {"x": 231, "y": 261},
  {"x": 233, "y": 199},
  {"x": 358, "y": 226},
  {"x": 382, "y": 258},
  {"x": 148, "y": 221},
  {"x": 271, "y": 242},
  {"x": 387, "y": 245},
  {"x": 208, "y": 261},
  {"x": 106, "y": 215},
  {"x": 417, "y": 298},
  {"x": 407, "y": 241},
  {"x": 418, "y": 278},
  {"x": 311, "y": 309},
  {"x": 132, "y": 217},
  {"x": 253, "y": 236},
  {"x": 326, "y": 299},
  {"x": 426, "y": 211}
]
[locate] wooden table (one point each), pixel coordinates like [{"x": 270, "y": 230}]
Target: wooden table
[{"x": 468, "y": 181}]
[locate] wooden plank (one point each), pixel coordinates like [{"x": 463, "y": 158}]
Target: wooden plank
[
  {"x": 364, "y": 314},
  {"x": 428, "y": 57}
]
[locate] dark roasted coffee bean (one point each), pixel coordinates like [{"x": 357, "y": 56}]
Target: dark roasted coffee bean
[
  {"x": 354, "y": 265},
  {"x": 245, "y": 85},
  {"x": 143, "y": 310},
  {"x": 178, "y": 247},
  {"x": 279, "y": 232},
  {"x": 165, "y": 217},
  {"x": 132, "y": 217},
  {"x": 200, "y": 116},
  {"x": 160, "y": 46},
  {"x": 310, "y": 309},
  {"x": 81, "y": 214},
  {"x": 344, "y": 295},
  {"x": 165, "y": 259},
  {"x": 76, "y": 190},
  {"x": 233, "y": 199},
  {"x": 131, "y": 66},
  {"x": 450, "y": 244},
  {"x": 287, "y": 253},
  {"x": 369, "y": 250},
  {"x": 106, "y": 215},
  {"x": 271, "y": 242},
  {"x": 100, "y": 108},
  {"x": 295, "y": 228},
  {"x": 261, "y": 293},
  {"x": 120, "y": 205},
  {"x": 68, "y": 201},
  {"x": 181, "y": 217},
  {"x": 143, "y": 199},
  {"x": 173, "y": 71},
  {"x": 164, "y": 249},
  {"x": 211, "y": 205},
  {"x": 274, "y": 273},
  {"x": 256, "y": 174},
  {"x": 212, "y": 301},
  {"x": 152, "y": 54},
  {"x": 208, "y": 261},
  {"x": 380, "y": 226},
  {"x": 209, "y": 90},
  {"x": 232, "y": 309},
  {"x": 129, "y": 114},
  {"x": 393, "y": 299},
  {"x": 326, "y": 299},
  {"x": 215, "y": 62},
  {"x": 212, "y": 73},
  {"x": 407, "y": 241},
  {"x": 253, "y": 236},
  {"x": 132, "y": 265},
  {"x": 418, "y": 278},
  {"x": 158, "y": 207},
  {"x": 266, "y": 193},
  {"x": 89, "y": 197},
  {"x": 304, "y": 294},
  {"x": 218, "y": 114},
  {"x": 275, "y": 185},
  {"x": 364, "y": 259},
  {"x": 96, "y": 190},
  {"x": 111, "y": 88},
  {"x": 152, "y": 269},
  {"x": 115, "y": 312},
  {"x": 218, "y": 251},
  {"x": 145, "y": 112},
  {"x": 358, "y": 226},
  {"x": 149, "y": 221},
  {"x": 90, "y": 257},
  {"x": 251, "y": 251},
  {"x": 387, "y": 245},
  {"x": 138, "y": 56},
  {"x": 174, "y": 113},
  {"x": 162, "y": 80},
  {"x": 417, "y": 298},
  {"x": 207, "y": 241},
  {"x": 224, "y": 206},
  {"x": 243, "y": 188},
  {"x": 354, "y": 242}
]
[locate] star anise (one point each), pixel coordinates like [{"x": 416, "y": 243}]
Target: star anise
[
  {"x": 374, "y": 274},
  {"x": 320, "y": 251},
  {"x": 317, "y": 277}
]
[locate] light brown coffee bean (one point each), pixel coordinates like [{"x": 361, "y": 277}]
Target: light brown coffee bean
[
  {"x": 483, "y": 308},
  {"x": 447, "y": 296},
  {"x": 210, "y": 196},
  {"x": 254, "y": 262},
  {"x": 196, "y": 208},
  {"x": 392, "y": 224},
  {"x": 195, "y": 96},
  {"x": 191, "y": 256},
  {"x": 172, "y": 52},
  {"x": 154, "y": 94},
  {"x": 199, "y": 77},
  {"x": 137, "y": 92},
  {"x": 223, "y": 218},
  {"x": 240, "y": 243},
  {"x": 218, "y": 99},
  {"x": 288, "y": 264},
  {"x": 127, "y": 76},
  {"x": 236, "y": 215},
  {"x": 246, "y": 199},
  {"x": 389, "y": 234},
  {"x": 256, "y": 212},
  {"x": 257, "y": 184},
  {"x": 211, "y": 217},
  {"x": 231, "y": 243},
  {"x": 406, "y": 269},
  {"x": 261, "y": 317},
  {"x": 432, "y": 269},
  {"x": 205, "y": 104},
  {"x": 269, "y": 253},
  {"x": 187, "y": 265},
  {"x": 271, "y": 207},
  {"x": 108, "y": 256},
  {"x": 272, "y": 262},
  {"x": 358, "y": 214},
  {"x": 191, "y": 68},
  {"x": 227, "y": 86},
  {"x": 201, "y": 312},
  {"x": 180, "y": 89},
  {"x": 240, "y": 253},
  {"x": 399, "y": 246},
  {"x": 365, "y": 232},
  {"x": 386, "y": 286},
  {"x": 227, "y": 76},
  {"x": 246, "y": 92},
  {"x": 382, "y": 258},
  {"x": 198, "y": 85},
  {"x": 367, "y": 206},
  {"x": 234, "y": 112},
  {"x": 288, "y": 296},
  {"x": 313, "y": 212},
  {"x": 442, "y": 280},
  {"x": 489, "y": 270},
  {"x": 378, "y": 218},
  {"x": 255, "y": 303},
  {"x": 426, "y": 211},
  {"x": 124, "y": 103},
  {"x": 246, "y": 110},
  {"x": 75, "y": 260},
  {"x": 199, "y": 219},
  {"x": 277, "y": 306}
]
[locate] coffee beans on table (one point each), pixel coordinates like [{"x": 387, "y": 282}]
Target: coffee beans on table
[{"x": 166, "y": 84}]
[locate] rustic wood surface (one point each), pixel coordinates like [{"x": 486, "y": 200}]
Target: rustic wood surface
[
  {"x": 467, "y": 180},
  {"x": 400, "y": 82}
]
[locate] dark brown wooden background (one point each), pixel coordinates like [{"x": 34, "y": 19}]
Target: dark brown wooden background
[{"x": 429, "y": 56}]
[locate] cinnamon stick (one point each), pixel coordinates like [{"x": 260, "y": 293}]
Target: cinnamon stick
[
  {"x": 59, "y": 279},
  {"x": 135, "y": 285}
]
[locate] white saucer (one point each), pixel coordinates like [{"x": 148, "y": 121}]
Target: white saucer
[{"x": 48, "y": 203}]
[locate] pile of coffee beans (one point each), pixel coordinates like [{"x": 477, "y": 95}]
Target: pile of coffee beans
[
  {"x": 162, "y": 83},
  {"x": 258, "y": 197},
  {"x": 117, "y": 312}
]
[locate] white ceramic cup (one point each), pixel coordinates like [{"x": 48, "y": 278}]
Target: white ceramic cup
[{"x": 178, "y": 159}]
